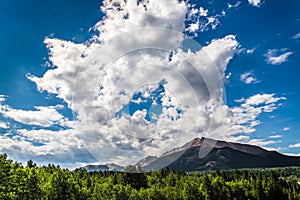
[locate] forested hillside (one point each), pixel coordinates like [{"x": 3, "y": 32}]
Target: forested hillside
[{"x": 53, "y": 182}]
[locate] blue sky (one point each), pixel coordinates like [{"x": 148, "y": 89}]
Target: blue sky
[
  {"x": 25, "y": 26},
  {"x": 42, "y": 77}
]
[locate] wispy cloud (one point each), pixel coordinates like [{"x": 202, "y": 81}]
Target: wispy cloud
[
  {"x": 276, "y": 56},
  {"x": 243, "y": 119},
  {"x": 296, "y": 36},
  {"x": 201, "y": 20},
  {"x": 274, "y": 148},
  {"x": 292, "y": 154},
  {"x": 275, "y": 136},
  {"x": 294, "y": 145},
  {"x": 237, "y": 4},
  {"x": 286, "y": 128},
  {"x": 248, "y": 78},
  {"x": 250, "y": 51},
  {"x": 256, "y": 3}
]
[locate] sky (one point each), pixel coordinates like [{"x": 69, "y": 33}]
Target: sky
[{"x": 116, "y": 81}]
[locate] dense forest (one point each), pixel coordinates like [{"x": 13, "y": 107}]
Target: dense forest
[{"x": 53, "y": 182}]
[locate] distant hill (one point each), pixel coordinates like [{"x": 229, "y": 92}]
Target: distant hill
[
  {"x": 220, "y": 155},
  {"x": 106, "y": 167}
]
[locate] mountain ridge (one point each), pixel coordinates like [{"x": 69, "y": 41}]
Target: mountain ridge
[
  {"x": 209, "y": 154},
  {"x": 217, "y": 144}
]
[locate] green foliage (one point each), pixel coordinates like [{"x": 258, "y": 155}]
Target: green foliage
[{"x": 52, "y": 182}]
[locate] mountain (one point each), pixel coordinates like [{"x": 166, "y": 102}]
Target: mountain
[
  {"x": 207, "y": 154},
  {"x": 146, "y": 161},
  {"x": 106, "y": 167}
]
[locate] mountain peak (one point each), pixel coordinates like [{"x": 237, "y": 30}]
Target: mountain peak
[
  {"x": 197, "y": 141},
  {"x": 212, "y": 143},
  {"x": 219, "y": 155}
]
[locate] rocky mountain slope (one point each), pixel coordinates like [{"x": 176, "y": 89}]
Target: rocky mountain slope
[
  {"x": 220, "y": 155},
  {"x": 208, "y": 154}
]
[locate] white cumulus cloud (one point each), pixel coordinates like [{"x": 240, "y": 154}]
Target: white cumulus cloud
[
  {"x": 99, "y": 79},
  {"x": 260, "y": 99},
  {"x": 248, "y": 78},
  {"x": 139, "y": 49},
  {"x": 276, "y": 56},
  {"x": 41, "y": 116}
]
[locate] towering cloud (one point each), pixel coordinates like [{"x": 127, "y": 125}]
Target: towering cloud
[{"x": 139, "y": 87}]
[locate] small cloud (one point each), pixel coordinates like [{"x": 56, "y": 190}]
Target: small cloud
[
  {"x": 259, "y": 99},
  {"x": 286, "y": 128},
  {"x": 294, "y": 145},
  {"x": 255, "y": 3},
  {"x": 246, "y": 51},
  {"x": 3, "y": 125},
  {"x": 203, "y": 12},
  {"x": 250, "y": 51},
  {"x": 234, "y": 5},
  {"x": 2, "y": 98},
  {"x": 248, "y": 78},
  {"x": 296, "y": 37},
  {"x": 213, "y": 21},
  {"x": 193, "y": 27},
  {"x": 276, "y": 56},
  {"x": 275, "y": 136},
  {"x": 44, "y": 116},
  {"x": 228, "y": 75},
  {"x": 200, "y": 20},
  {"x": 273, "y": 148}
]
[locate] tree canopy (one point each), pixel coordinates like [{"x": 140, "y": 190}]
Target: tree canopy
[{"x": 52, "y": 182}]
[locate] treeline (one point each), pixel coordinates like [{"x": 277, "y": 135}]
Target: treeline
[{"x": 53, "y": 182}]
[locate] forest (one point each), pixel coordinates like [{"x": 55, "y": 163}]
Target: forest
[{"x": 53, "y": 182}]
